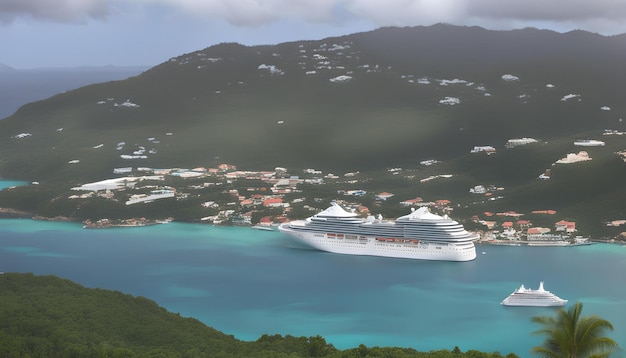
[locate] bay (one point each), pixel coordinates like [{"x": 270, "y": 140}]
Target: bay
[{"x": 247, "y": 283}]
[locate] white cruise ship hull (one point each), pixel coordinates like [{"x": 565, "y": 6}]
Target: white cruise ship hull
[
  {"x": 382, "y": 246},
  {"x": 535, "y": 303}
]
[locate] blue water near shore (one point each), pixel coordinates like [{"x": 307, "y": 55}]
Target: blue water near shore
[
  {"x": 5, "y": 183},
  {"x": 247, "y": 283}
]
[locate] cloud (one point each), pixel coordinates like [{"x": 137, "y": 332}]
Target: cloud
[
  {"x": 598, "y": 15},
  {"x": 554, "y": 10},
  {"x": 408, "y": 12},
  {"x": 403, "y": 12},
  {"x": 69, "y": 11},
  {"x": 251, "y": 13}
]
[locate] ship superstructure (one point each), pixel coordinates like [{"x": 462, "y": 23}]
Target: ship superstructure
[{"x": 538, "y": 298}]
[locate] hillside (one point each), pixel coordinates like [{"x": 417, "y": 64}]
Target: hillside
[
  {"x": 46, "y": 316},
  {"x": 20, "y": 86},
  {"x": 228, "y": 100},
  {"x": 364, "y": 102}
]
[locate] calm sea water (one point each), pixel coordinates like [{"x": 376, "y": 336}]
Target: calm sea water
[{"x": 247, "y": 282}]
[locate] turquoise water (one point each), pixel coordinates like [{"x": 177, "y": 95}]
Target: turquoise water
[
  {"x": 4, "y": 183},
  {"x": 247, "y": 282}
]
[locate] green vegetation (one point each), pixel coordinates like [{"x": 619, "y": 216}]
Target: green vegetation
[
  {"x": 217, "y": 106},
  {"x": 570, "y": 335},
  {"x": 48, "y": 317}
]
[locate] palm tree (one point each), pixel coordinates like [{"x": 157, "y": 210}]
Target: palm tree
[{"x": 571, "y": 336}]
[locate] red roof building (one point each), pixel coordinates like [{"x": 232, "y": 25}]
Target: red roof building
[
  {"x": 246, "y": 202},
  {"x": 524, "y": 224},
  {"x": 567, "y": 226},
  {"x": 266, "y": 220},
  {"x": 411, "y": 202},
  {"x": 548, "y": 212},
  {"x": 273, "y": 202},
  {"x": 537, "y": 230}
]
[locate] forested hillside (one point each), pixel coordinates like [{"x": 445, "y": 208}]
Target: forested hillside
[
  {"x": 365, "y": 102},
  {"x": 46, "y": 316}
]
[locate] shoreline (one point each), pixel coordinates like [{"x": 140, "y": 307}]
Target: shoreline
[
  {"x": 132, "y": 222},
  {"x": 11, "y": 213}
]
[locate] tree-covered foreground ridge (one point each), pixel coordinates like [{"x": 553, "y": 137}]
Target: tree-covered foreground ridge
[
  {"x": 46, "y": 316},
  {"x": 570, "y": 335}
]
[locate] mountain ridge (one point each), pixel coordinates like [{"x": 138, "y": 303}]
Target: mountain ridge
[{"x": 235, "y": 69}]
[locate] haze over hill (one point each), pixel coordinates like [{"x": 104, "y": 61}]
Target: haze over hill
[
  {"x": 4, "y": 68},
  {"x": 18, "y": 87},
  {"x": 367, "y": 101}
]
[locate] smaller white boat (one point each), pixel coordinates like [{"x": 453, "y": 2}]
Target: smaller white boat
[{"x": 536, "y": 298}]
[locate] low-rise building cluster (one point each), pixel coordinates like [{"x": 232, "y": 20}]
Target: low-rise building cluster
[{"x": 267, "y": 198}]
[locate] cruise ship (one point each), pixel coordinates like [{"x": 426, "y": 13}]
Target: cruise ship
[
  {"x": 419, "y": 235},
  {"x": 538, "y": 298}
]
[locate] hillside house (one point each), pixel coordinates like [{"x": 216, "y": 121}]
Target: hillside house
[
  {"x": 246, "y": 203},
  {"x": 384, "y": 196},
  {"x": 524, "y": 224},
  {"x": 533, "y": 231},
  {"x": 567, "y": 226},
  {"x": 478, "y": 189},
  {"x": 357, "y": 192},
  {"x": 507, "y": 229},
  {"x": 226, "y": 167},
  {"x": 485, "y": 148},
  {"x": 510, "y": 213},
  {"x": 275, "y": 203},
  {"x": 124, "y": 170},
  {"x": 266, "y": 221},
  {"x": 411, "y": 202},
  {"x": 547, "y": 212}
]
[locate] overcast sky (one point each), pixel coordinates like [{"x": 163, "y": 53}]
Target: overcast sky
[{"x": 63, "y": 33}]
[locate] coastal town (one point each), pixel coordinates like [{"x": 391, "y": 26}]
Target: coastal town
[{"x": 264, "y": 199}]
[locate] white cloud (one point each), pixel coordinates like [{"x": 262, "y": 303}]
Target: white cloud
[
  {"x": 256, "y": 12},
  {"x": 408, "y": 12},
  {"x": 55, "y": 10},
  {"x": 604, "y": 16}
]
